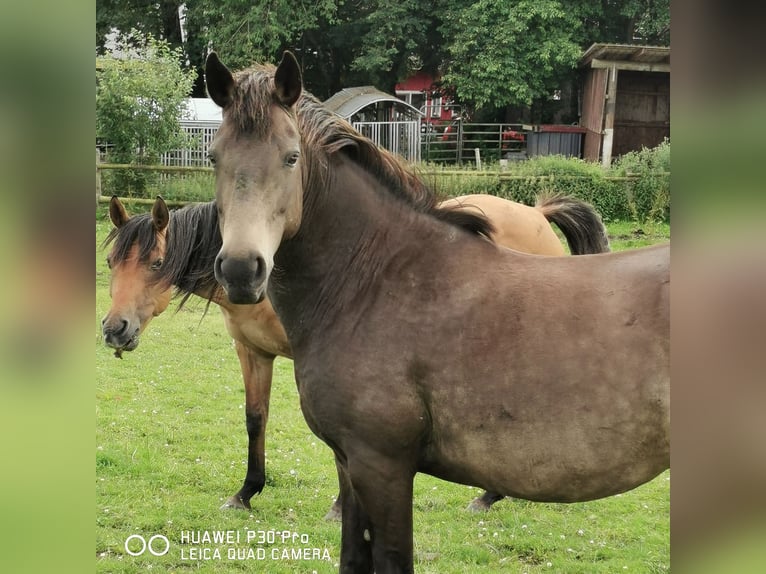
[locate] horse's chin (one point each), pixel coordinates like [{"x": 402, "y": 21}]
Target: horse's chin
[
  {"x": 246, "y": 296},
  {"x": 127, "y": 347}
]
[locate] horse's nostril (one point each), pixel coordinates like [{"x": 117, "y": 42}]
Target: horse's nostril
[
  {"x": 218, "y": 268},
  {"x": 260, "y": 268}
]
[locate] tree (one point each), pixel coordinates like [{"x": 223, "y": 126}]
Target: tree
[
  {"x": 397, "y": 37},
  {"x": 244, "y": 32},
  {"x": 509, "y": 53},
  {"x": 140, "y": 100},
  {"x": 158, "y": 18},
  {"x": 491, "y": 53},
  {"x": 648, "y": 21}
]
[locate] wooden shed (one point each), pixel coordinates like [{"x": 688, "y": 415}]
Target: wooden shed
[{"x": 626, "y": 99}]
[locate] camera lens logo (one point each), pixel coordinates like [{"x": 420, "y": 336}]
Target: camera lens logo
[{"x": 157, "y": 545}]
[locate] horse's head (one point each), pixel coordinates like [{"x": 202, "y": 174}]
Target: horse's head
[
  {"x": 135, "y": 261},
  {"x": 257, "y": 158}
]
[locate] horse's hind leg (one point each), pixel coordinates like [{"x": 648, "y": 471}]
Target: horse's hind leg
[
  {"x": 257, "y": 370},
  {"x": 484, "y": 502}
]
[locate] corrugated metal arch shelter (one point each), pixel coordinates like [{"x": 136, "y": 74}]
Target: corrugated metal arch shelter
[
  {"x": 387, "y": 120},
  {"x": 626, "y": 99},
  {"x": 367, "y": 103}
]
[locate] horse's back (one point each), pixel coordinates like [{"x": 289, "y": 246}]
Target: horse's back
[{"x": 516, "y": 225}]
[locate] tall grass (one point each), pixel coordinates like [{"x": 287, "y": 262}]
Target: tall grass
[
  {"x": 170, "y": 448},
  {"x": 635, "y": 188},
  {"x": 195, "y": 186}
]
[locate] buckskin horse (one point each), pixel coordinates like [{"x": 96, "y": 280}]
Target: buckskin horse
[
  {"x": 420, "y": 346},
  {"x": 152, "y": 253}
]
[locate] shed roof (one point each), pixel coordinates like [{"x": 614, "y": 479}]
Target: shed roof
[
  {"x": 203, "y": 110},
  {"x": 349, "y": 101},
  {"x": 627, "y": 57}
]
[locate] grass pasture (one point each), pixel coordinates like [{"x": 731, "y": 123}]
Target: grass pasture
[{"x": 171, "y": 447}]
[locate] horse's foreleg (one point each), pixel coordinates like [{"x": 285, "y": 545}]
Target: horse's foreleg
[
  {"x": 257, "y": 369},
  {"x": 355, "y": 550},
  {"x": 383, "y": 487}
]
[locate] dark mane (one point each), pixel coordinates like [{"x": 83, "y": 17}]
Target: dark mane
[
  {"x": 193, "y": 240},
  {"x": 325, "y": 133}
]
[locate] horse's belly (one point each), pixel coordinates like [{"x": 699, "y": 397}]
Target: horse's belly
[{"x": 550, "y": 460}]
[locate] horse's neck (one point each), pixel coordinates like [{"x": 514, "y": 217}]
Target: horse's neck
[
  {"x": 349, "y": 234},
  {"x": 341, "y": 246}
]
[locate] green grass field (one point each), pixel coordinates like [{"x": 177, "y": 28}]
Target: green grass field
[{"x": 171, "y": 448}]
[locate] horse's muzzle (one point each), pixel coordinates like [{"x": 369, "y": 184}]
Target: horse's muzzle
[
  {"x": 243, "y": 279},
  {"x": 119, "y": 333}
]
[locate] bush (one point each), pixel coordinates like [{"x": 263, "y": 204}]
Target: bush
[
  {"x": 648, "y": 197},
  {"x": 570, "y": 176},
  {"x": 140, "y": 93},
  {"x": 636, "y": 187}
]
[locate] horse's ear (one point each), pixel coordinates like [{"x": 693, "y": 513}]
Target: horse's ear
[
  {"x": 288, "y": 80},
  {"x": 117, "y": 212},
  {"x": 160, "y": 214},
  {"x": 219, "y": 81}
]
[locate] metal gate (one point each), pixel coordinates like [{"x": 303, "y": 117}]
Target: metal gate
[{"x": 402, "y": 138}]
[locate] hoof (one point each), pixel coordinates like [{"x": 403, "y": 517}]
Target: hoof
[
  {"x": 334, "y": 514},
  {"x": 478, "y": 505},
  {"x": 236, "y": 502}
]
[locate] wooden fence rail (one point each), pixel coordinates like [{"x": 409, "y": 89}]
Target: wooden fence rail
[
  {"x": 423, "y": 172},
  {"x": 428, "y": 172}
]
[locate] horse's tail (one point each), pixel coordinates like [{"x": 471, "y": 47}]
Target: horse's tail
[{"x": 578, "y": 221}]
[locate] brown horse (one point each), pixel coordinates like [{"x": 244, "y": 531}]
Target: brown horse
[
  {"x": 419, "y": 346},
  {"x": 153, "y": 253}
]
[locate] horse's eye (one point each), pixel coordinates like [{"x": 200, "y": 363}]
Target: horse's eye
[
  {"x": 211, "y": 158},
  {"x": 292, "y": 159},
  {"x": 157, "y": 264},
  {"x": 109, "y": 262}
]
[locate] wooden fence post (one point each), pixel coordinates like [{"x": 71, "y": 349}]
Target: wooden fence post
[{"x": 98, "y": 176}]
